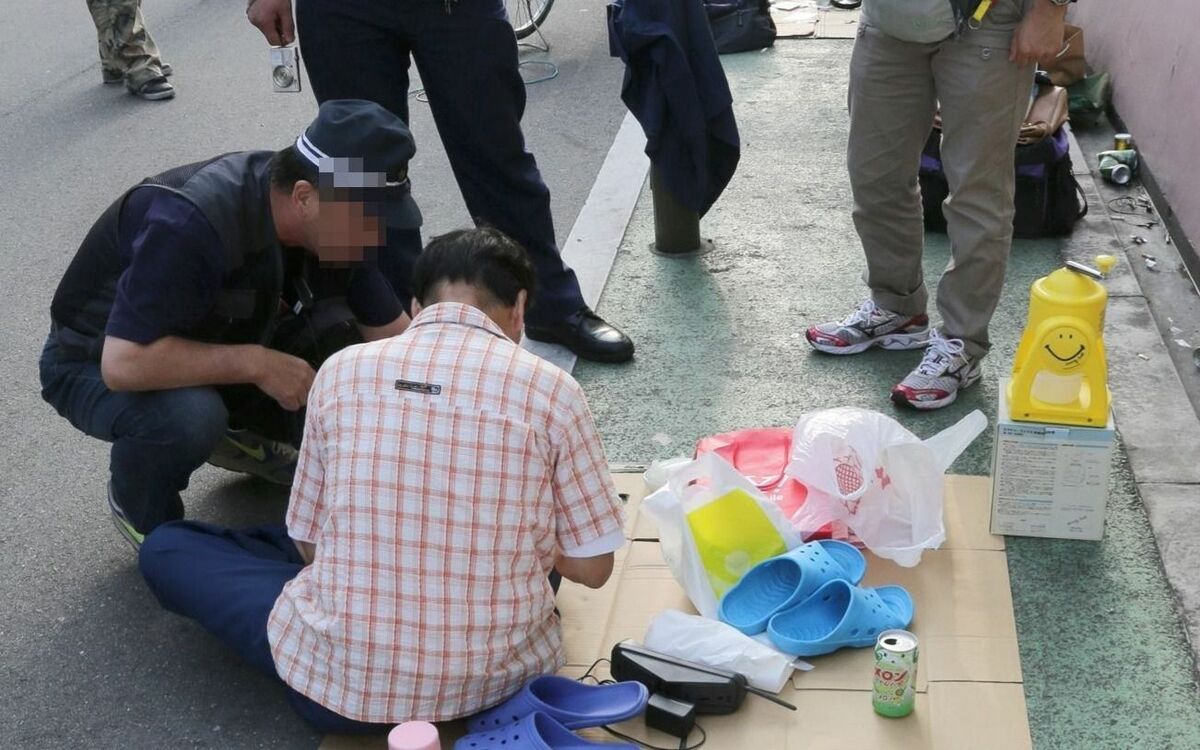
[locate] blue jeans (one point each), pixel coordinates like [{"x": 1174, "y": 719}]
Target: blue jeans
[
  {"x": 158, "y": 437},
  {"x": 228, "y": 582},
  {"x": 466, "y": 54}
]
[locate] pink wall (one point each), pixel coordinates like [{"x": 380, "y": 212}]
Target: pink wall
[{"x": 1152, "y": 50}]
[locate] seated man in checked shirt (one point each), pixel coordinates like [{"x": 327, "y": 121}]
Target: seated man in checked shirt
[{"x": 444, "y": 475}]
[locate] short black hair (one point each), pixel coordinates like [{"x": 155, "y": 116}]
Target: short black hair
[
  {"x": 288, "y": 168},
  {"x": 485, "y": 258}
]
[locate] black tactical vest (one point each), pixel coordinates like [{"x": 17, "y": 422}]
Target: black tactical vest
[{"x": 233, "y": 194}]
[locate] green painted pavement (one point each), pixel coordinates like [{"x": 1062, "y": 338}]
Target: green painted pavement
[{"x": 720, "y": 346}]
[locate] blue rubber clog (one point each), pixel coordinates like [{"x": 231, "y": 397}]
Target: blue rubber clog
[
  {"x": 536, "y": 731},
  {"x": 840, "y": 615},
  {"x": 776, "y": 584},
  {"x": 569, "y": 702}
]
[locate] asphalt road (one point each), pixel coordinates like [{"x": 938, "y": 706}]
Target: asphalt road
[{"x": 86, "y": 656}]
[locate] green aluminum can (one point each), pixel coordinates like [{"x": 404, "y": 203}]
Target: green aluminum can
[
  {"x": 1118, "y": 167},
  {"x": 895, "y": 690}
]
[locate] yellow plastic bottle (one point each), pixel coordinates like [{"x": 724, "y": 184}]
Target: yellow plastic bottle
[{"x": 1060, "y": 375}]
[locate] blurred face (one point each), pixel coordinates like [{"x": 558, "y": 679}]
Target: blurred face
[{"x": 336, "y": 229}]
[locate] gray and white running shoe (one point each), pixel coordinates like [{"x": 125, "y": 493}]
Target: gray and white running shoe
[
  {"x": 945, "y": 369},
  {"x": 870, "y": 325}
]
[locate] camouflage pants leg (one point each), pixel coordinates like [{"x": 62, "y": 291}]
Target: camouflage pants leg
[{"x": 126, "y": 47}]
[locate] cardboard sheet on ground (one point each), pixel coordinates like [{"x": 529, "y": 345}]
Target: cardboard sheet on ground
[
  {"x": 969, "y": 689},
  {"x": 801, "y": 19}
]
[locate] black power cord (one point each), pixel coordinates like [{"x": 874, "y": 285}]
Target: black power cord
[
  {"x": 1131, "y": 205},
  {"x": 683, "y": 745},
  {"x": 588, "y": 674}
]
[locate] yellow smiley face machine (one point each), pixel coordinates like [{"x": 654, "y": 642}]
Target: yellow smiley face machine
[{"x": 1059, "y": 374}]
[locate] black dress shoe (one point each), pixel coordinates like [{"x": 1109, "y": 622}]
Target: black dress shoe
[{"x": 587, "y": 335}]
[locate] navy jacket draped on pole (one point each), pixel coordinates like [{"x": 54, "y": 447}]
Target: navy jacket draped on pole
[{"x": 676, "y": 88}]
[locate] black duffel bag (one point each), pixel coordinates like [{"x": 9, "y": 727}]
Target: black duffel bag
[
  {"x": 1048, "y": 198},
  {"x": 741, "y": 25}
]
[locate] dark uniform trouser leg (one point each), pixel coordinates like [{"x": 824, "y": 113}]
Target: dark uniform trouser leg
[
  {"x": 228, "y": 582},
  {"x": 158, "y": 437},
  {"x": 467, "y": 58}
]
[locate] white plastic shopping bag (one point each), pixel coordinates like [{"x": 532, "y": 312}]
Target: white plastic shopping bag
[
  {"x": 713, "y": 526},
  {"x": 716, "y": 644},
  {"x": 660, "y": 471},
  {"x": 864, "y": 469}
]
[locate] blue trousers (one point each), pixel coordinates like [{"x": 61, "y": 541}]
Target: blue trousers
[
  {"x": 158, "y": 437},
  {"x": 228, "y": 582},
  {"x": 466, "y": 54}
]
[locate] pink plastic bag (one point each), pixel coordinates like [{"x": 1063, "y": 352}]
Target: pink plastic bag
[{"x": 762, "y": 456}]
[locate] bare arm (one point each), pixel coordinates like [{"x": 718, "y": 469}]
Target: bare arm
[
  {"x": 376, "y": 333},
  {"x": 592, "y": 572},
  {"x": 175, "y": 362}
]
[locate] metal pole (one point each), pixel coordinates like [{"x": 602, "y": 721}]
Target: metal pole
[{"x": 676, "y": 227}]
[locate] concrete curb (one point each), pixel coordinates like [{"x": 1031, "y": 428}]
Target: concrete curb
[{"x": 1156, "y": 420}]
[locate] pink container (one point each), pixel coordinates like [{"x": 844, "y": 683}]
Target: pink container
[{"x": 414, "y": 735}]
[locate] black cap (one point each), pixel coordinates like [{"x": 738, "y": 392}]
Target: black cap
[{"x": 358, "y": 147}]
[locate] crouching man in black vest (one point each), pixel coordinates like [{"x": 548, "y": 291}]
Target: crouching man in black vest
[{"x": 189, "y": 324}]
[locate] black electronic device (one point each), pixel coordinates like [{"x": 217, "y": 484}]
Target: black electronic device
[
  {"x": 711, "y": 690},
  {"x": 675, "y": 717}
]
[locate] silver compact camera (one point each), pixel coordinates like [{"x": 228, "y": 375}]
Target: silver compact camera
[{"x": 285, "y": 69}]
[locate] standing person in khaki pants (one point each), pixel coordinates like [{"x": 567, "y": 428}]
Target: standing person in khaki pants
[
  {"x": 127, "y": 52},
  {"x": 911, "y": 56}
]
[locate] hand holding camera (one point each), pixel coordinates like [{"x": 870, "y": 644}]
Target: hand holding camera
[{"x": 274, "y": 19}]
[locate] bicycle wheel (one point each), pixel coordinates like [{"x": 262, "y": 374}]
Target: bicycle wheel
[{"x": 527, "y": 15}]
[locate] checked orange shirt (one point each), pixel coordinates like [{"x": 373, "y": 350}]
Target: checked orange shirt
[{"x": 441, "y": 472}]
